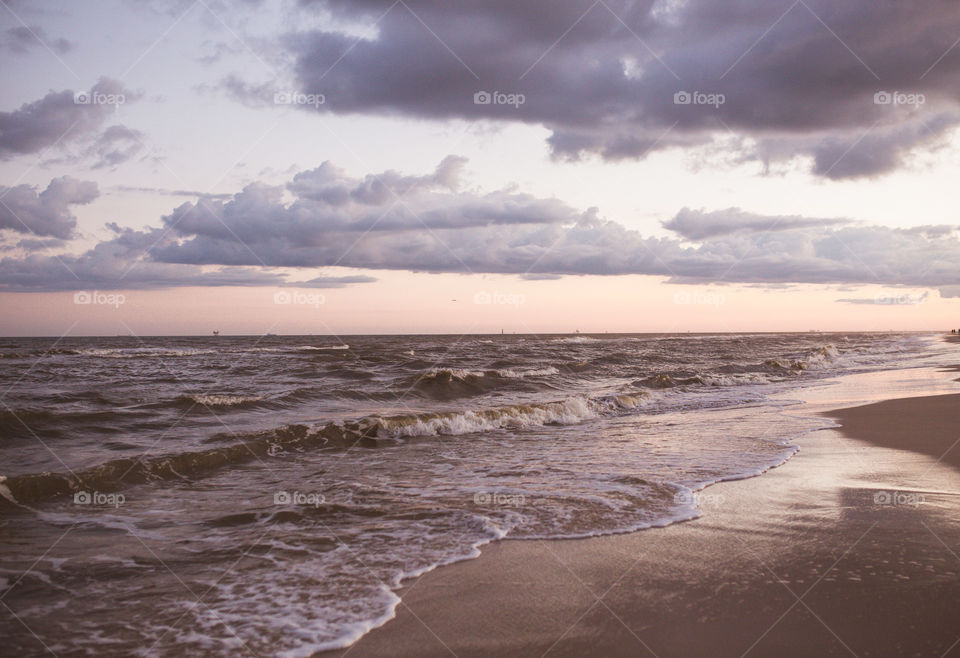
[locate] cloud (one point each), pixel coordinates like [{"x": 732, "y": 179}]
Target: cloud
[
  {"x": 64, "y": 117},
  {"x": 933, "y": 230},
  {"x": 432, "y": 223},
  {"x": 332, "y": 210},
  {"x": 173, "y": 192},
  {"x": 34, "y": 244},
  {"x": 390, "y": 221},
  {"x": 22, "y": 39},
  {"x": 250, "y": 94},
  {"x": 329, "y": 184},
  {"x": 603, "y": 77},
  {"x": 115, "y": 145},
  {"x": 124, "y": 263},
  {"x": 48, "y": 213},
  {"x": 888, "y": 299},
  {"x": 698, "y": 224}
]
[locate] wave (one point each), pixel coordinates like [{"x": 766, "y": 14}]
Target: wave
[
  {"x": 119, "y": 473},
  {"x": 511, "y": 373},
  {"x": 576, "y": 340},
  {"x": 281, "y": 399},
  {"x": 663, "y": 380},
  {"x": 820, "y": 358},
  {"x": 449, "y": 383},
  {"x": 823, "y": 357},
  {"x": 564, "y": 412},
  {"x": 219, "y": 400},
  {"x": 13, "y": 422},
  {"x": 160, "y": 352},
  {"x": 769, "y": 371},
  {"x": 38, "y": 353},
  {"x": 137, "y": 352},
  {"x": 26, "y": 422},
  {"x": 735, "y": 379},
  {"x": 370, "y": 432},
  {"x": 452, "y": 383}
]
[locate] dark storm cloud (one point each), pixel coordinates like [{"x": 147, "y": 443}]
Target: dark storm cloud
[
  {"x": 698, "y": 224},
  {"x": 796, "y": 79},
  {"x": 48, "y": 213},
  {"x": 62, "y": 118},
  {"x": 429, "y": 223}
]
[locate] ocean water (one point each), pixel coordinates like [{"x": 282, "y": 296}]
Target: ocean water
[{"x": 269, "y": 494}]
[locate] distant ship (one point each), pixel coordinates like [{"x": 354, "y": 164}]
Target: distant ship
[{"x": 216, "y": 332}]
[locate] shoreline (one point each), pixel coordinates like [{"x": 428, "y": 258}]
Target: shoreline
[
  {"x": 850, "y": 547},
  {"x": 884, "y": 424}
]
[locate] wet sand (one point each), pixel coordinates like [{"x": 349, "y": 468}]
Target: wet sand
[
  {"x": 851, "y": 548},
  {"x": 929, "y": 425}
]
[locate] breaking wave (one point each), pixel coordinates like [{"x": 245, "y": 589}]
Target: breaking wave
[{"x": 370, "y": 432}]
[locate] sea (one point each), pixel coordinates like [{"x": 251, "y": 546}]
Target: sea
[{"x": 269, "y": 495}]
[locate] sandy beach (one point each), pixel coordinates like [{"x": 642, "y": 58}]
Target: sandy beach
[
  {"x": 851, "y": 548},
  {"x": 416, "y": 328}
]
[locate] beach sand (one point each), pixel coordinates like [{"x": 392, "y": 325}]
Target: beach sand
[
  {"x": 851, "y": 548},
  {"x": 929, "y": 425}
]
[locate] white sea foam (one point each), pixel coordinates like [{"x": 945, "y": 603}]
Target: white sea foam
[
  {"x": 224, "y": 400},
  {"x": 142, "y": 352},
  {"x": 513, "y": 373},
  {"x": 576, "y": 339}
]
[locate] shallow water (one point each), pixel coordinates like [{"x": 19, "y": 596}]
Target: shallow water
[{"x": 270, "y": 493}]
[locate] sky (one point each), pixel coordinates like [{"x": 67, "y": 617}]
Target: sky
[{"x": 407, "y": 166}]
